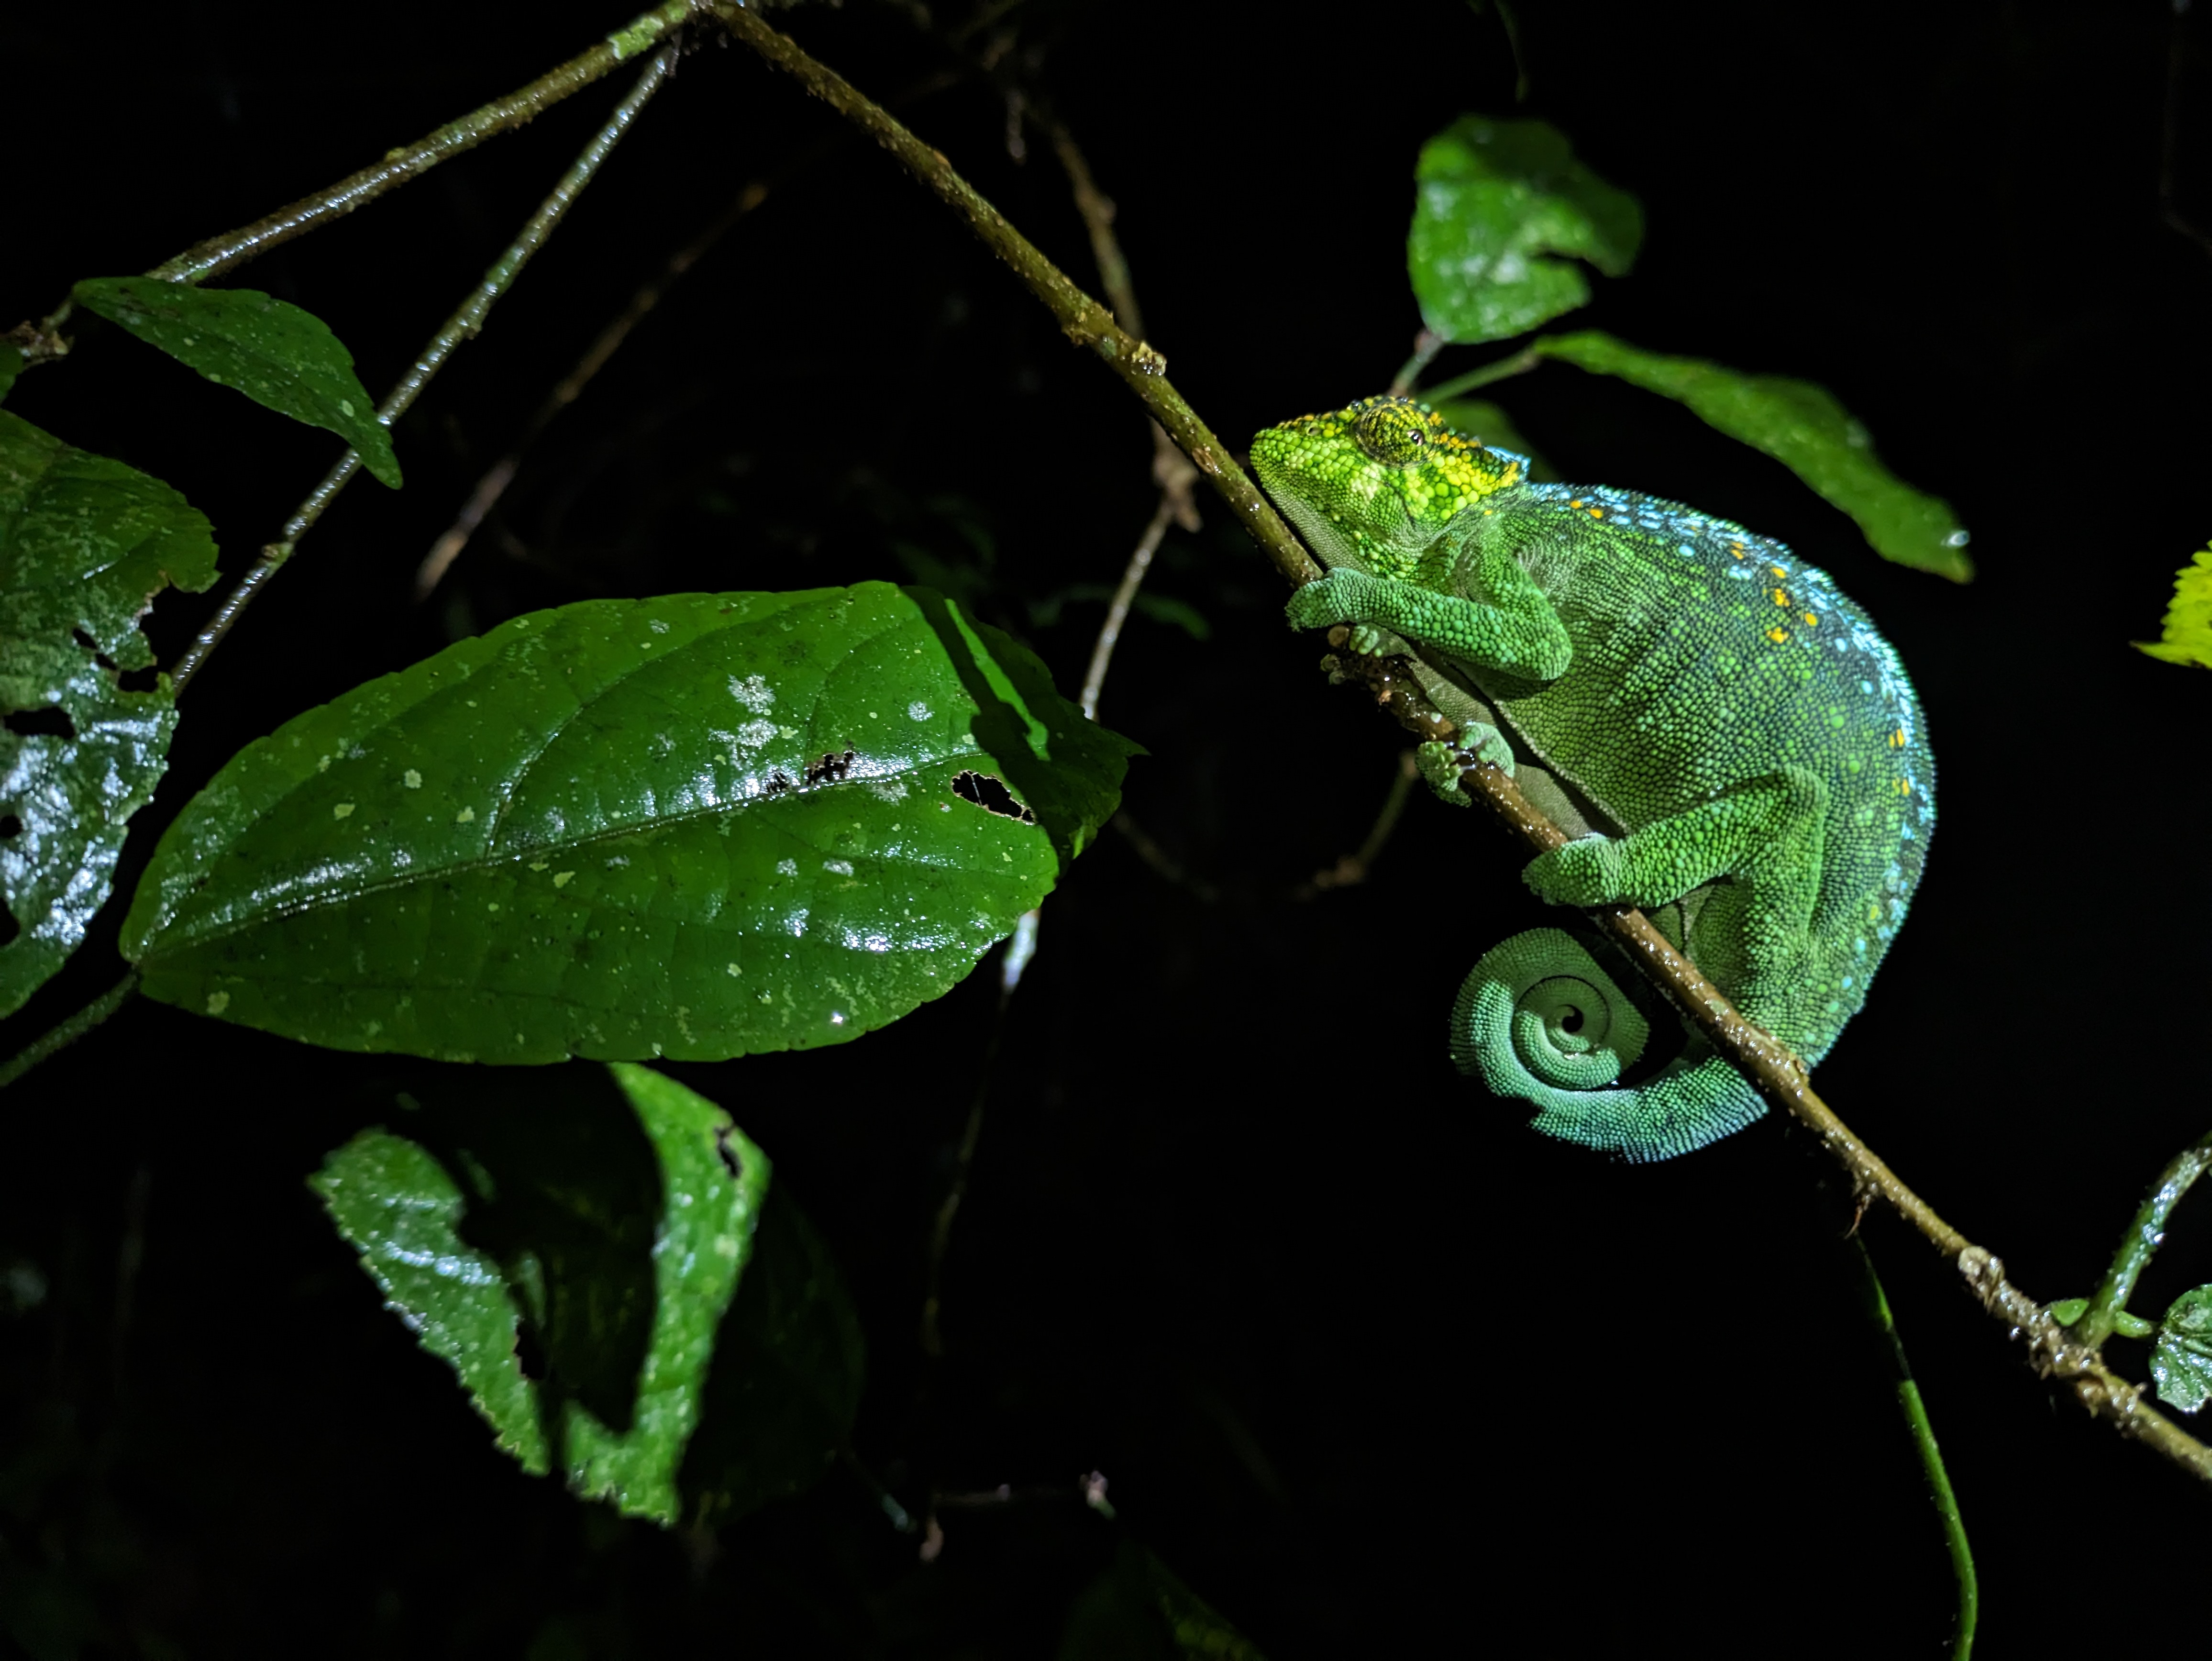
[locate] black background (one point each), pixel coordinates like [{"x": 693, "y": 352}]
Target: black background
[{"x": 1373, "y": 1367}]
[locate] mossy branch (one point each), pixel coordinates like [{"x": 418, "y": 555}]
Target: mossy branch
[{"x": 1770, "y": 1065}]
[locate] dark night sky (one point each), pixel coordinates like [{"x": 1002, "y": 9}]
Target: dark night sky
[{"x": 1365, "y": 1359}]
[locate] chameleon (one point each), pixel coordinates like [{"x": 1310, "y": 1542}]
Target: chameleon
[{"x": 1729, "y": 742}]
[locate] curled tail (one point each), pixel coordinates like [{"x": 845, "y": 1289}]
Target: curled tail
[{"x": 1538, "y": 1018}]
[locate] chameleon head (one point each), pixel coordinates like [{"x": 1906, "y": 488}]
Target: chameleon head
[{"x": 1378, "y": 479}]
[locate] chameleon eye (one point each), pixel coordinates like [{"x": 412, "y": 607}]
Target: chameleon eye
[{"x": 1393, "y": 433}]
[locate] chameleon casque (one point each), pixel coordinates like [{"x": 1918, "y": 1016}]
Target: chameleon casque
[{"x": 1736, "y": 750}]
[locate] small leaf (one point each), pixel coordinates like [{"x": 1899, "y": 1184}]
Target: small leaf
[
  {"x": 86, "y": 544},
  {"x": 1483, "y": 421},
  {"x": 2181, "y": 1361},
  {"x": 697, "y": 826},
  {"x": 275, "y": 353},
  {"x": 1802, "y": 427},
  {"x": 1137, "y": 1610},
  {"x": 1494, "y": 199},
  {"x": 2187, "y": 636},
  {"x": 397, "y": 1207},
  {"x": 614, "y": 1213},
  {"x": 2067, "y": 1310}
]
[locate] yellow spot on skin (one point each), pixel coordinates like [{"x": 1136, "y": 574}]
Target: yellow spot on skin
[
  {"x": 1905, "y": 787},
  {"x": 343, "y": 811},
  {"x": 1897, "y": 739},
  {"x": 1597, "y": 513},
  {"x": 1736, "y": 549},
  {"x": 217, "y": 1002},
  {"x": 1780, "y": 597},
  {"x": 1811, "y": 622},
  {"x": 1777, "y": 635},
  {"x": 1778, "y": 570}
]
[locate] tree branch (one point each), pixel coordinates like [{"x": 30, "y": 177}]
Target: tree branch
[
  {"x": 219, "y": 253},
  {"x": 1771, "y": 1067}
]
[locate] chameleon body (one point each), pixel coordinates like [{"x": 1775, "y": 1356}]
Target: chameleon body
[{"x": 1737, "y": 750}]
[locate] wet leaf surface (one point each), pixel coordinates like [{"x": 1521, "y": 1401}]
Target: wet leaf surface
[
  {"x": 2181, "y": 1359},
  {"x": 86, "y": 543},
  {"x": 700, "y": 826}
]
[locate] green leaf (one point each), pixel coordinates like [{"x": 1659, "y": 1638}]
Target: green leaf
[
  {"x": 2187, "y": 636},
  {"x": 1137, "y": 1610},
  {"x": 2181, "y": 1361},
  {"x": 275, "y": 353},
  {"x": 11, "y": 365},
  {"x": 1802, "y": 427},
  {"x": 611, "y": 1214},
  {"x": 397, "y": 1207},
  {"x": 2067, "y": 1310},
  {"x": 698, "y": 826},
  {"x": 86, "y": 543},
  {"x": 1480, "y": 419},
  {"x": 1494, "y": 200}
]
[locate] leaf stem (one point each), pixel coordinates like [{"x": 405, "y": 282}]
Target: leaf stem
[
  {"x": 219, "y": 253},
  {"x": 464, "y": 322},
  {"x": 2107, "y": 1310},
  {"x": 67, "y": 1033},
  {"x": 1426, "y": 345},
  {"x": 1916, "y": 1421},
  {"x": 1504, "y": 368}
]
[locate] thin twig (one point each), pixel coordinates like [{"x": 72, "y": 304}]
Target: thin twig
[
  {"x": 461, "y": 325},
  {"x": 219, "y": 253},
  {"x": 1082, "y": 318},
  {"x": 2144, "y": 1236},
  {"x": 1353, "y": 869},
  {"x": 1505, "y": 368},
  {"x": 1426, "y": 345},
  {"x": 610, "y": 339},
  {"x": 66, "y": 1032},
  {"x": 1771, "y": 1066},
  {"x": 1922, "y": 1431}
]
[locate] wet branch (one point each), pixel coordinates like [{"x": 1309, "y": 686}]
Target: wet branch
[{"x": 1772, "y": 1067}]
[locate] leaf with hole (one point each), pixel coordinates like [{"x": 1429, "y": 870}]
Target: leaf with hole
[
  {"x": 1494, "y": 201},
  {"x": 2181, "y": 1360},
  {"x": 620, "y": 1226},
  {"x": 695, "y": 826},
  {"x": 86, "y": 544},
  {"x": 1802, "y": 427},
  {"x": 275, "y": 353}
]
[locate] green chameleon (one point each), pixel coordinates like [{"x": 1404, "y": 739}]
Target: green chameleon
[{"x": 1734, "y": 747}]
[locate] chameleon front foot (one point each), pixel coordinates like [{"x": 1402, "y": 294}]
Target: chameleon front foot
[{"x": 1442, "y": 763}]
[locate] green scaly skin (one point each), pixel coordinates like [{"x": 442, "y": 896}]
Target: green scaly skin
[{"x": 1738, "y": 725}]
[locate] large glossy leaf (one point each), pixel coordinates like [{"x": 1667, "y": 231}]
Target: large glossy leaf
[
  {"x": 697, "y": 826},
  {"x": 275, "y": 353},
  {"x": 2181, "y": 1357},
  {"x": 85, "y": 546},
  {"x": 1802, "y": 427},
  {"x": 1494, "y": 202},
  {"x": 2187, "y": 635},
  {"x": 610, "y": 1215}
]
